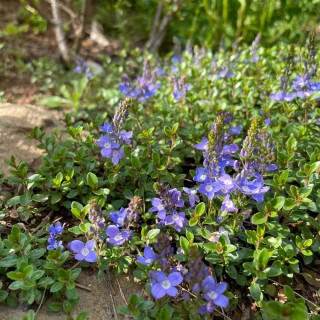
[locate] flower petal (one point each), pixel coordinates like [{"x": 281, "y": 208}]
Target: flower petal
[
  {"x": 112, "y": 231},
  {"x": 91, "y": 257},
  {"x": 157, "y": 291},
  {"x": 175, "y": 278},
  {"x": 172, "y": 291},
  {"x": 221, "y": 301},
  {"x": 76, "y": 246}
]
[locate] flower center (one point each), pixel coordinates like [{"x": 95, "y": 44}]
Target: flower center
[
  {"x": 115, "y": 153},
  {"x": 203, "y": 177},
  {"x": 166, "y": 284},
  {"x": 194, "y": 192},
  {"x": 175, "y": 217},
  {"x": 107, "y": 145},
  {"x": 148, "y": 261},
  {"x": 118, "y": 237},
  {"x": 208, "y": 188},
  {"x": 160, "y": 207},
  {"x": 85, "y": 251},
  {"x": 213, "y": 295}
]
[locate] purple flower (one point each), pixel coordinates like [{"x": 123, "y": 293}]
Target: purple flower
[
  {"x": 56, "y": 229},
  {"x": 149, "y": 256},
  {"x": 201, "y": 174},
  {"x": 193, "y": 198},
  {"x": 177, "y": 219},
  {"x": 164, "y": 284},
  {"x": 221, "y": 232},
  {"x": 160, "y": 206},
  {"x": 119, "y": 218},
  {"x": 203, "y": 145},
  {"x": 108, "y": 146},
  {"x": 116, "y": 155},
  {"x": 282, "y": 96},
  {"x": 84, "y": 251},
  {"x": 54, "y": 244},
  {"x": 208, "y": 188},
  {"x": 214, "y": 295},
  {"x": 255, "y": 188},
  {"x": 235, "y": 130},
  {"x": 225, "y": 184},
  {"x": 228, "y": 205},
  {"x": 174, "y": 198},
  {"x": 106, "y": 128},
  {"x": 116, "y": 237}
]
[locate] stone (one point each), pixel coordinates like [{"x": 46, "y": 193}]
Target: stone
[{"x": 16, "y": 123}]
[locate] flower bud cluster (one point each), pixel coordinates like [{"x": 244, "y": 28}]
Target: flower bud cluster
[{"x": 111, "y": 142}]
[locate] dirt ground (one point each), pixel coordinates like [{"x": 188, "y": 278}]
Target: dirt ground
[{"x": 100, "y": 298}]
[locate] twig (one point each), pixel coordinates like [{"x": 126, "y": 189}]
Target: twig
[
  {"x": 108, "y": 282},
  {"x": 296, "y": 294},
  {"x": 159, "y": 28},
  {"x": 64, "y": 8},
  {"x": 121, "y": 292},
  {"x": 76, "y": 265},
  {"x": 41, "y": 302},
  {"x": 78, "y": 33},
  {"x": 61, "y": 42},
  {"x": 78, "y": 285},
  {"x": 43, "y": 222}
]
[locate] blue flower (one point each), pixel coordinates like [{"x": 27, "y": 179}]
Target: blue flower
[
  {"x": 228, "y": 205},
  {"x": 201, "y": 174},
  {"x": 108, "y": 146},
  {"x": 177, "y": 219},
  {"x": 149, "y": 256},
  {"x": 116, "y": 237},
  {"x": 255, "y": 188},
  {"x": 208, "y": 188},
  {"x": 84, "y": 251},
  {"x": 165, "y": 285},
  {"x": 193, "y": 198},
  {"x": 119, "y": 218},
  {"x": 160, "y": 206},
  {"x": 214, "y": 295}
]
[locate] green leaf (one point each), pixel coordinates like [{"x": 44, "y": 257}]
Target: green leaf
[
  {"x": 255, "y": 292},
  {"x": 152, "y": 234},
  {"x": 25, "y": 199},
  {"x": 13, "y": 201},
  {"x": 54, "y": 307},
  {"x": 259, "y": 218},
  {"x": 3, "y": 295},
  {"x": 190, "y": 236},
  {"x": 67, "y": 306},
  {"x": 82, "y": 315},
  {"x": 289, "y": 293},
  {"x": 184, "y": 243},
  {"x": 56, "y": 287},
  {"x": 193, "y": 221},
  {"x": 200, "y": 209},
  {"x": 92, "y": 181},
  {"x": 9, "y": 261}
]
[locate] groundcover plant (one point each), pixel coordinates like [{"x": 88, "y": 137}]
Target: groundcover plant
[{"x": 203, "y": 181}]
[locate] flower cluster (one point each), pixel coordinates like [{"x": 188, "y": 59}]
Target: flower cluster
[
  {"x": 144, "y": 87},
  {"x": 196, "y": 276},
  {"x": 168, "y": 207},
  {"x": 180, "y": 88},
  {"x": 97, "y": 220},
  {"x": 257, "y": 155},
  {"x": 55, "y": 232},
  {"x": 111, "y": 142},
  {"x": 302, "y": 85}
]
